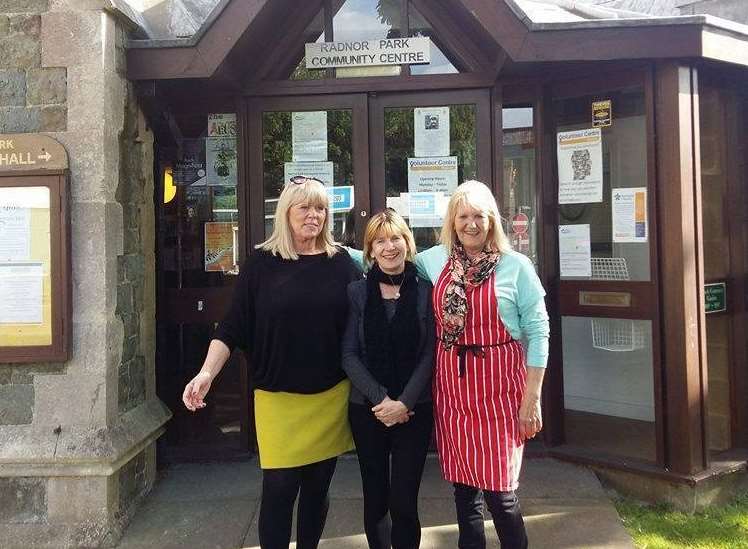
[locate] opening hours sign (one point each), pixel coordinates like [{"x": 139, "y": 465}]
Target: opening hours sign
[{"x": 369, "y": 53}]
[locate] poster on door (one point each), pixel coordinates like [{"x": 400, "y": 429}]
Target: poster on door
[
  {"x": 431, "y": 131},
  {"x": 575, "y": 251},
  {"x": 436, "y": 174},
  {"x": 222, "y": 125},
  {"x": 629, "y": 214},
  {"x": 580, "y": 166},
  {"x": 220, "y": 246},
  {"x": 309, "y": 135},
  {"x": 220, "y": 159},
  {"x": 323, "y": 171}
]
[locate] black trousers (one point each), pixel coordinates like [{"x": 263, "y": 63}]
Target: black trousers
[
  {"x": 391, "y": 489},
  {"x": 280, "y": 487},
  {"x": 504, "y": 508}
]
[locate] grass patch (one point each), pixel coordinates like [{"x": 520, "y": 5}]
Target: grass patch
[{"x": 661, "y": 527}]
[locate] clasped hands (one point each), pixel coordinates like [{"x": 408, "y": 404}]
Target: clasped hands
[{"x": 391, "y": 412}]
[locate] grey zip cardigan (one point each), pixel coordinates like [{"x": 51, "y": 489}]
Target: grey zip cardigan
[{"x": 364, "y": 386}]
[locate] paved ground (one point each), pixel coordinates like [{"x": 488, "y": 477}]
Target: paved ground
[{"x": 214, "y": 506}]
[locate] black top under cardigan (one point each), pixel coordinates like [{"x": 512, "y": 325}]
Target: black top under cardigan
[
  {"x": 367, "y": 390},
  {"x": 289, "y": 316}
]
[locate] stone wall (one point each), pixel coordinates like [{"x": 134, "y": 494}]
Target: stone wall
[
  {"x": 32, "y": 97},
  {"x": 77, "y": 440}
]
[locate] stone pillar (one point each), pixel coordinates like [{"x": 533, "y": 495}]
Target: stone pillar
[{"x": 77, "y": 440}]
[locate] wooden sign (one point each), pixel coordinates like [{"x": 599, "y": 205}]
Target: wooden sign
[{"x": 31, "y": 151}]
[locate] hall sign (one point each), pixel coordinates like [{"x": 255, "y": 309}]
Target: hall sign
[
  {"x": 26, "y": 151},
  {"x": 369, "y": 53}
]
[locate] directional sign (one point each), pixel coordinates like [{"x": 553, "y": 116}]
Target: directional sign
[
  {"x": 341, "y": 198},
  {"x": 31, "y": 151}
]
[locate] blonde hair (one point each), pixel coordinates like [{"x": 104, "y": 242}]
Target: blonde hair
[
  {"x": 479, "y": 196},
  {"x": 281, "y": 243},
  {"x": 388, "y": 223}
]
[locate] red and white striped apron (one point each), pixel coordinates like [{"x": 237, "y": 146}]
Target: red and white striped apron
[{"x": 477, "y": 413}]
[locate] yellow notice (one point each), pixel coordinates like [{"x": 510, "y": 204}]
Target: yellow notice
[{"x": 25, "y": 267}]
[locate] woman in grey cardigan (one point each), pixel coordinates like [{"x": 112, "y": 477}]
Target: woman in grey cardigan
[{"x": 388, "y": 354}]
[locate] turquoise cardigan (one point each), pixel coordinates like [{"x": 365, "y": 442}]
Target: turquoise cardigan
[{"x": 520, "y": 295}]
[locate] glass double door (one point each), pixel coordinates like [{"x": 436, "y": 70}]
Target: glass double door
[{"x": 404, "y": 151}]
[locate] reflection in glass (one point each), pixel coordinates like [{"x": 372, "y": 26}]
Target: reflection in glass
[
  {"x": 398, "y": 147},
  {"x": 367, "y": 20},
  {"x": 608, "y": 386},
  {"x": 439, "y": 63},
  {"x": 277, "y": 149},
  {"x": 518, "y": 202},
  {"x": 314, "y": 32},
  {"x": 624, "y": 151}
]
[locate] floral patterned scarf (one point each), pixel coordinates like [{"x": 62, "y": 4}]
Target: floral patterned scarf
[{"x": 464, "y": 272}]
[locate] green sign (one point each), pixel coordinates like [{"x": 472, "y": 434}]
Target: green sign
[{"x": 715, "y": 297}]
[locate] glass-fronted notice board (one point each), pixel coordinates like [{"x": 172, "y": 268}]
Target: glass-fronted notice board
[
  {"x": 25, "y": 267},
  {"x": 34, "y": 250}
]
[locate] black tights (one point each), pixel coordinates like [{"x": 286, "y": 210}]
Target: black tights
[
  {"x": 279, "y": 490},
  {"x": 504, "y": 508}
]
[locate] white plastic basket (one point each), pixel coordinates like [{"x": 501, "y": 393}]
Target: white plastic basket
[{"x": 615, "y": 334}]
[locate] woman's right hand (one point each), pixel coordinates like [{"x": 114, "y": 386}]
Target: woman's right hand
[{"x": 195, "y": 391}]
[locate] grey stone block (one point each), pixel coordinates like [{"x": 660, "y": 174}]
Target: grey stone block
[
  {"x": 19, "y": 51},
  {"x": 24, "y": 6},
  {"x": 16, "y": 404},
  {"x": 12, "y": 88},
  {"x": 54, "y": 119},
  {"x": 46, "y": 86},
  {"x": 19, "y": 120},
  {"x": 23, "y": 500},
  {"x": 30, "y": 25},
  {"x": 4, "y": 26}
]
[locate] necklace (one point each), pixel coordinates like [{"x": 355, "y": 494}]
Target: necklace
[{"x": 397, "y": 292}]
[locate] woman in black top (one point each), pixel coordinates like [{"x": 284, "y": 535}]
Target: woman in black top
[
  {"x": 289, "y": 314},
  {"x": 388, "y": 353}
]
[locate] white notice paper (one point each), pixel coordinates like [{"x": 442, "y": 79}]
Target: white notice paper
[
  {"x": 21, "y": 292},
  {"x": 309, "y": 135},
  {"x": 436, "y": 174},
  {"x": 580, "y": 166},
  {"x": 318, "y": 170},
  {"x": 15, "y": 228},
  {"x": 431, "y": 131},
  {"x": 574, "y": 251},
  {"x": 630, "y": 215}
]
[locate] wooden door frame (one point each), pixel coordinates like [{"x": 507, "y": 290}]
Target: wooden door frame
[
  {"x": 357, "y": 103},
  {"x": 645, "y": 293},
  {"x": 379, "y": 102}
]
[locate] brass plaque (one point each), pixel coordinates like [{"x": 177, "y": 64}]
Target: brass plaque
[
  {"x": 605, "y": 299},
  {"x": 31, "y": 151}
]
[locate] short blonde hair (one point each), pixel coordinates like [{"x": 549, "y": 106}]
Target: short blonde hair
[
  {"x": 281, "y": 243},
  {"x": 479, "y": 196},
  {"x": 387, "y": 223}
]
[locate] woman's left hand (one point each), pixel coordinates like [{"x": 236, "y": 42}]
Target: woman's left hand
[
  {"x": 390, "y": 411},
  {"x": 530, "y": 417}
]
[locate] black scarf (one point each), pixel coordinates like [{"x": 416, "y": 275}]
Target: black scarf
[{"x": 392, "y": 347}]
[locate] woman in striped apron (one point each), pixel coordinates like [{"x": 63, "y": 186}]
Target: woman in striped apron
[{"x": 492, "y": 329}]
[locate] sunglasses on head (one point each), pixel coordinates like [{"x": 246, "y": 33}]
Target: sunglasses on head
[{"x": 301, "y": 179}]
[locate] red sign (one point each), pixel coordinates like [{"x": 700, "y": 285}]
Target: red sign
[{"x": 520, "y": 222}]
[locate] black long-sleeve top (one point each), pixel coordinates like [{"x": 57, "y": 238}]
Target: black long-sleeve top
[
  {"x": 365, "y": 388},
  {"x": 290, "y": 316}
]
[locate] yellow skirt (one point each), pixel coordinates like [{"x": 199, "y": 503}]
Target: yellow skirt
[{"x": 295, "y": 429}]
